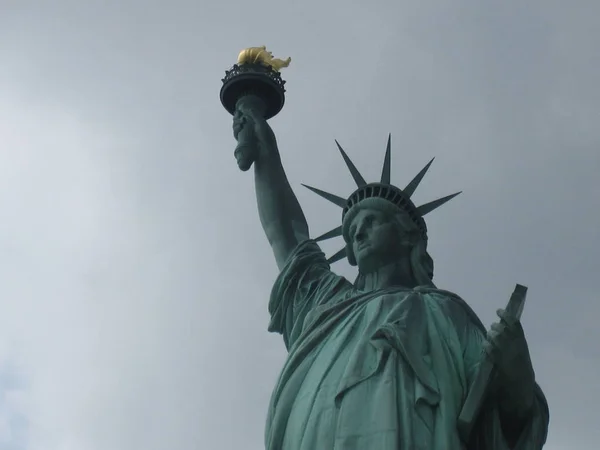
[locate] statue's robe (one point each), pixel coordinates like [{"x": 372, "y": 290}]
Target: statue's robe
[{"x": 382, "y": 370}]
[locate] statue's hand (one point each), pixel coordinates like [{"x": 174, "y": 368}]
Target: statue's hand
[
  {"x": 507, "y": 347},
  {"x": 247, "y": 120}
]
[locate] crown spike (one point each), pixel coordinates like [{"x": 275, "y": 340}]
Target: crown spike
[
  {"x": 428, "y": 207},
  {"x": 327, "y": 196},
  {"x": 341, "y": 254},
  {"x": 412, "y": 186},
  {"x": 386, "y": 171},
  {"x": 330, "y": 234},
  {"x": 358, "y": 178}
]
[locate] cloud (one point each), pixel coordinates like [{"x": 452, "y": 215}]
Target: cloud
[
  {"x": 13, "y": 423},
  {"x": 57, "y": 218},
  {"x": 135, "y": 271}
]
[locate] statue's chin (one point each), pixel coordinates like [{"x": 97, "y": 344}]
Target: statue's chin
[
  {"x": 369, "y": 261},
  {"x": 368, "y": 266}
]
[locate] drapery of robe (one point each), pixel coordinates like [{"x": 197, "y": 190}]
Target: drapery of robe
[{"x": 382, "y": 370}]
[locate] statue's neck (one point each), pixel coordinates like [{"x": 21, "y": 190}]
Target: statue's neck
[{"x": 396, "y": 274}]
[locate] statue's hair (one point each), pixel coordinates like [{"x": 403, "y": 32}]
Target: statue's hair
[{"x": 421, "y": 262}]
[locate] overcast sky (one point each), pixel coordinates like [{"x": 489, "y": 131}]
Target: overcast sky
[{"x": 135, "y": 274}]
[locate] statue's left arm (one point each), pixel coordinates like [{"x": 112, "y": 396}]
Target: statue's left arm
[{"x": 505, "y": 422}]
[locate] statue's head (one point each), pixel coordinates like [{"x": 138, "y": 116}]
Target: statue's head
[
  {"x": 380, "y": 235},
  {"x": 381, "y": 225},
  {"x": 377, "y": 239}
]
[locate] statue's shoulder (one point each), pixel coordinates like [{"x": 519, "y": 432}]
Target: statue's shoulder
[
  {"x": 439, "y": 293},
  {"x": 451, "y": 299}
]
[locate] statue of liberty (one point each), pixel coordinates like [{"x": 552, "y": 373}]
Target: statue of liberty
[{"x": 385, "y": 362}]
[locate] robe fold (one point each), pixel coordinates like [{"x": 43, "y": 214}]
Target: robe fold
[{"x": 383, "y": 370}]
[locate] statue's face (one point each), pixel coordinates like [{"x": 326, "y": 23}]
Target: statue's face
[{"x": 375, "y": 240}]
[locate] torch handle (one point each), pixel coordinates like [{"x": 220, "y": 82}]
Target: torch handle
[{"x": 246, "y": 150}]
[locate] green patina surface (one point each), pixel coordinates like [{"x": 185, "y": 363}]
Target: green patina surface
[{"x": 385, "y": 362}]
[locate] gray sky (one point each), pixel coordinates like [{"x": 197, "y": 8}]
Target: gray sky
[{"x": 135, "y": 272}]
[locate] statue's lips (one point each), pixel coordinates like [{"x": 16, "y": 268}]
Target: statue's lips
[{"x": 363, "y": 246}]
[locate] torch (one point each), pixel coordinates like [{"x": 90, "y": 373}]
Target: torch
[{"x": 255, "y": 83}]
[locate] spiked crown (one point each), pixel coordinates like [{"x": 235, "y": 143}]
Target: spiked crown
[{"x": 382, "y": 193}]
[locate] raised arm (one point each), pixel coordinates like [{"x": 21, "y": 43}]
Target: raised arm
[{"x": 280, "y": 213}]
